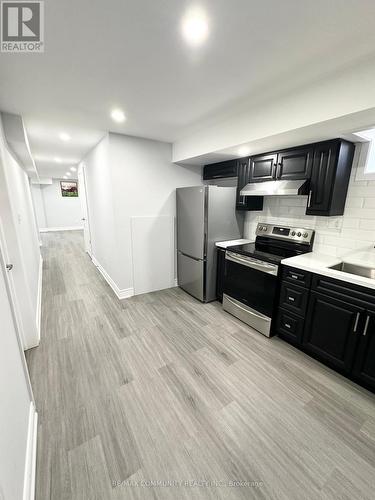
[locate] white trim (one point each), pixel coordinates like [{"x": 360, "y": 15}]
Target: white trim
[
  {"x": 120, "y": 293},
  {"x": 39, "y": 299},
  {"x": 175, "y": 282},
  {"x": 364, "y": 151},
  {"x": 30, "y": 459},
  {"x": 67, "y": 228}
]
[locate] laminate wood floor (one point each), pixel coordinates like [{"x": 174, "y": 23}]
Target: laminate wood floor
[{"x": 162, "y": 397}]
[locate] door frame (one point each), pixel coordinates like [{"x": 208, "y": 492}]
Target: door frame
[{"x": 82, "y": 185}]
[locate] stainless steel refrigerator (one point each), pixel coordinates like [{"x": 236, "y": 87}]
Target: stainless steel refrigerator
[{"x": 205, "y": 214}]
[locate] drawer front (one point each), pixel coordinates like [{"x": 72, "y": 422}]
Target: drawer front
[
  {"x": 302, "y": 278},
  {"x": 294, "y": 298},
  {"x": 290, "y": 326},
  {"x": 345, "y": 291}
]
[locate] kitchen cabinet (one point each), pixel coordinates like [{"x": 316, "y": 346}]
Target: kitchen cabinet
[
  {"x": 243, "y": 175},
  {"x": 221, "y": 170},
  {"x": 294, "y": 298},
  {"x": 330, "y": 174},
  {"x": 294, "y": 164},
  {"x": 290, "y": 164},
  {"x": 364, "y": 366},
  {"x": 326, "y": 165},
  {"x": 290, "y": 326},
  {"x": 263, "y": 168},
  {"x": 220, "y": 273},
  {"x": 338, "y": 328},
  {"x": 332, "y": 330}
]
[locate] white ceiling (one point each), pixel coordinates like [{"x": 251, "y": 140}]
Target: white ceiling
[{"x": 99, "y": 55}]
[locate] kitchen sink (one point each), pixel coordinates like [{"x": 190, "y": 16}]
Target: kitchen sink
[{"x": 345, "y": 267}]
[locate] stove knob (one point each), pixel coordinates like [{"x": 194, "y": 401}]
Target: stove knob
[
  {"x": 293, "y": 233},
  {"x": 305, "y": 235},
  {"x": 299, "y": 234}
]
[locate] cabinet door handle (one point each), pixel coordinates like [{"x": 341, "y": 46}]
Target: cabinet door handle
[
  {"x": 287, "y": 325},
  {"x": 274, "y": 171},
  {"x": 292, "y": 299},
  {"x": 356, "y": 322},
  {"x": 366, "y": 326},
  {"x": 294, "y": 276},
  {"x": 309, "y": 199}
]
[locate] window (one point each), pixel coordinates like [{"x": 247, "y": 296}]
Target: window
[{"x": 367, "y": 153}]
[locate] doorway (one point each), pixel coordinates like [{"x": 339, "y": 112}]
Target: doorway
[{"x": 82, "y": 186}]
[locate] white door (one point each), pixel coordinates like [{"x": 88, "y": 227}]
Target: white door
[
  {"x": 84, "y": 208},
  {"x": 17, "y": 410}
]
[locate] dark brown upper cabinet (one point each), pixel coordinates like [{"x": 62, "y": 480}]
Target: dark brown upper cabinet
[
  {"x": 330, "y": 174},
  {"x": 294, "y": 164},
  {"x": 263, "y": 168},
  {"x": 326, "y": 165},
  {"x": 243, "y": 175},
  {"x": 221, "y": 170},
  {"x": 291, "y": 164}
]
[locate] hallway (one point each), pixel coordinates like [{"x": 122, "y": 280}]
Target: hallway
[{"x": 160, "y": 387}]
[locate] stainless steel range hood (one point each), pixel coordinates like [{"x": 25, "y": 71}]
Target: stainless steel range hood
[{"x": 276, "y": 188}]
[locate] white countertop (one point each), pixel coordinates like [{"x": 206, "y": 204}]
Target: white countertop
[
  {"x": 321, "y": 263},
  {"x": 230, "y": 243}
]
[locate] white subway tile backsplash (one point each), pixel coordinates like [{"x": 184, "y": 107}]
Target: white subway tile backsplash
[
  {"x": 367, "y": 224},
  {"x": 351, "y": 223},
  {"x": 334, "y": 235},
  {"x": 356, "y": 202},
  {"x": 369, "y": 203}
]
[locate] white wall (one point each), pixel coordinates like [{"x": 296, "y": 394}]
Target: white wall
[
  {"x": 334, "y": 235},
  {"x": 53, "y": 210},
  {"x": 20, "y": 236},
  {"x": 38, "y": 201},
  {"x": 101, "y": 208},
  {"x": 129, "y": 177}
]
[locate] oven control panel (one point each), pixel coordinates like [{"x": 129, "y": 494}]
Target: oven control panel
[{"x": 296, "y": 234}]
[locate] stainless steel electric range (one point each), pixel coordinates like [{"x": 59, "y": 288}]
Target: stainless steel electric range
[{"x": 252, "y": 272}]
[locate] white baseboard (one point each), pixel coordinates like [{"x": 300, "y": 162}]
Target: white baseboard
[
  {"x": 175, "y": 282},
  {"x": 39, "y": 299},
  {"x": 30, "y": 461},
  {"x": 65, "y": 228},
  {"x": 120, "y": 293}
]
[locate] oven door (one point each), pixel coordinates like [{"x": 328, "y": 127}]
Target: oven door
[{"x": 251, "y": 282}]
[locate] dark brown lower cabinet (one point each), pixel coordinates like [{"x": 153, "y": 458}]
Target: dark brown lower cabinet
[
  {"x": 364, "y": 365},
  {"x": 220, "y": 274},
  {"x": 332, "y": 330},
  {"x": 338, "y": 328}
]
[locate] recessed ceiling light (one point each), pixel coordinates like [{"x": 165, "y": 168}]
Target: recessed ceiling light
[
  {"x": 57, "y": 160},
  {"x": 194, "y": 26},
  {"x": 118, "y": 115},
  {"x": 64, "y": 136},
  {"x": 68, "y": 173},
  {"x": 65, "y": 177},
  {"x": 73, "y": 169}
]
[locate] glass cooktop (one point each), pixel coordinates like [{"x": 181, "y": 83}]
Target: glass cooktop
[{"x": 269, "y": 253}]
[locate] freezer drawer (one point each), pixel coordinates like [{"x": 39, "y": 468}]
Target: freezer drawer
[{"x": 190, "y": 274}]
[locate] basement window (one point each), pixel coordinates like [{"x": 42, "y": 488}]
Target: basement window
[{"x": 366, "y": 160}]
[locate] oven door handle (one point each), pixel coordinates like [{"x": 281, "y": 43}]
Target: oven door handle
[{"x": 252, "y": 263}]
